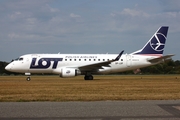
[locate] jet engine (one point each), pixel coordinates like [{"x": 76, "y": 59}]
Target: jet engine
[{"x": 69, "y": 72}]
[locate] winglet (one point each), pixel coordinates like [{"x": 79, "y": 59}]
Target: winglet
[{"x": 118, "y": 57}]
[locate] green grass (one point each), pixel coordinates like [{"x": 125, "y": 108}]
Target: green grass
[{"x": 53, "y": 88}]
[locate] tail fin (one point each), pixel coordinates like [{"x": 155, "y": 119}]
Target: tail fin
[{"x": 155, "y": 46}]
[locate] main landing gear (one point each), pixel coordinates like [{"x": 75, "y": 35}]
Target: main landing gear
[{"x": 88, "y": 77}]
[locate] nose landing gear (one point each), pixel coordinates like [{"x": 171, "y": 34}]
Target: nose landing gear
[{"x": 29, "y": 76}]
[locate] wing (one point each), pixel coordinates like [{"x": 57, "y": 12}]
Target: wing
[
  {"x": 160, "y": 59},
  {"x": 93, "y": 67}
]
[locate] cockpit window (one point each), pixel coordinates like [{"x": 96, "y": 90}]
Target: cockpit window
[{"x": 20, "y": 59}]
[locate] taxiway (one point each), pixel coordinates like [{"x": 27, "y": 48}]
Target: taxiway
[{"x": 100, "y": 110}]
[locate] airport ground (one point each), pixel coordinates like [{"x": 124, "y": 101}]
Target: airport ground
[
  {"x": 96, "y": 110},
  {"x": 102, "y": 88}
]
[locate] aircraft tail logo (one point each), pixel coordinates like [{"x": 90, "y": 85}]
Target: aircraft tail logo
[{"x": 156, "y": 44}]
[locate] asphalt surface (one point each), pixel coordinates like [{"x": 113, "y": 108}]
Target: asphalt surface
[{"x": 101, "y": 110}]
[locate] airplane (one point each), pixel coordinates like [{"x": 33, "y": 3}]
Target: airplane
[{"x": 71, "y": 65}]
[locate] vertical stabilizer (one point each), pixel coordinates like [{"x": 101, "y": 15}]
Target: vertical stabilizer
[{"x": 155, "y": 46}]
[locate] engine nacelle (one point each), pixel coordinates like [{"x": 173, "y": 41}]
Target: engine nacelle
[{"x": 69, "y": 72}]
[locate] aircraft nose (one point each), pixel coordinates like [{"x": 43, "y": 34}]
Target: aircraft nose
[{"x": 8, "y": 67}]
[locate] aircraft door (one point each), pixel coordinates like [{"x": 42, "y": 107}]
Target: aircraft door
[{"x": 128, "y": 60}]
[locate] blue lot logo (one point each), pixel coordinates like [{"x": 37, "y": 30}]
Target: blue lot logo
[
  {"x": 158, "y": 42},
  {"x": 68, "y": 72},
  {"x": 45, "y": 63}
]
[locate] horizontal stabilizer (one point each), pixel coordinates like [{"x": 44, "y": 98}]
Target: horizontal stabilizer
[{"x": 160, "y": 59}]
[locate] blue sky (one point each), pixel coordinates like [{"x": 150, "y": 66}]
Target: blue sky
[{"x": 85, "y": 26}]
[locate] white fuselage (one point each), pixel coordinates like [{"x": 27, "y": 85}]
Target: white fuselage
[{"x": 52, "y": 63}]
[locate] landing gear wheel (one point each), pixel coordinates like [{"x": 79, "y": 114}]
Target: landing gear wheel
[
  {"x": 88, "y": 77},
  {"x": 28, "y": 78}
]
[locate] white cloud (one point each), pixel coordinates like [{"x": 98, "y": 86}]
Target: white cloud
[
  {"x": 113, "y": 14},
  {"x": 74, "y": 15},
  {"x": 31, "y": 21},
  {"x": 54, "y": 10},
  {"x": 13, "y": 36},
  {"x": 15, "y": 15},
  {"x": 133, "y": 12}
]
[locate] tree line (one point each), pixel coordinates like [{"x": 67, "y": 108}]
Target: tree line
[{"x": 167, "y": 67}]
